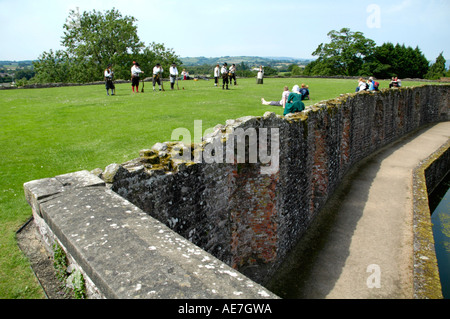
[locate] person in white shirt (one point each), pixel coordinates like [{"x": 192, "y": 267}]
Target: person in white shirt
[
  {"x": 135, "y": 73},
  {"x": 233, "y": 74},
  {"x": 224, "y": 72},
  {"x": 260, "y": 76},
  {"x": 216, "y": 75},
  {"x": 185, "y": 74},
  {"x": 109, "y": 75},
  {"x": 362, "y": 85},
  {"x": 283, "y": 100},
  {"x": 173, "y": 75},
  {"x": 157, "y": 75}
]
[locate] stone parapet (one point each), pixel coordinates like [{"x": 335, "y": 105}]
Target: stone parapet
[{"x": 122, "y": 252}]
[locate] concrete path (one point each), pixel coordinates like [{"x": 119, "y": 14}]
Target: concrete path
[{"x": 369, "y": 241}]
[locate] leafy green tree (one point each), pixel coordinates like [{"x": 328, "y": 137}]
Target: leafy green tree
[
  {"x": 437, "y": 70},
  {"x": 92, "y": 41},
  {"x": 344, "y": 55},
  {"x": 295, "y": 69},
  {"x": 52, "y": 67},
  {"x": 408, "y": 62},
  {"x": 268, "y": 70},
  {"x": 156, "y": 53},
  {"x": 320, "y": 67},
  {"x": 24, "y": 74}
]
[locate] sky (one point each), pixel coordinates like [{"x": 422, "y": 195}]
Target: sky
[{"x": 212, "y": 28}]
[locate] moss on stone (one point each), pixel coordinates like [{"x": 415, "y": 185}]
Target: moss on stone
[{"x": 426, "y": 274}]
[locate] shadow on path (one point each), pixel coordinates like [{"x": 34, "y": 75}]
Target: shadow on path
[{"x": 316, "y": 264}]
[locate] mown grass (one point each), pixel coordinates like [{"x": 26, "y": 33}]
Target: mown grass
[{"x": 47, "y": 132}]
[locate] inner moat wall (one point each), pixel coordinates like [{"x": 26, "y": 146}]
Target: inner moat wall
[{"x": 248, "y": 214}]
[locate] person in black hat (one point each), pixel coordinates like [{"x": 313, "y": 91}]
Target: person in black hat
[
  {"x": 135, "y": 72},
  {"x": 109, "y": 76},
  {"x": 173, "y": 75},
  {"x": 157, "y": 76},
  {"x": 233, "y": 74},
  {"x": 224, "y": 72}
]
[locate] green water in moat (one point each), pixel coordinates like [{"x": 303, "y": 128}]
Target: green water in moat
[{"x": 441, "y": 229}]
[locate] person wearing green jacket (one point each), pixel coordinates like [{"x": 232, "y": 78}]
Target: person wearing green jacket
[{"x": 294, "y": 102}]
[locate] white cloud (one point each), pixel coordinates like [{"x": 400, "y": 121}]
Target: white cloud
[{"x": 399, "y": 8}]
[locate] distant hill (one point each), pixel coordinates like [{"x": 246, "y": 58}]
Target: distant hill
[{"x": 249, "y": 60}]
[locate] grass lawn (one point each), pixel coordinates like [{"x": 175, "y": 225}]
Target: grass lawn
[{"x": 47, "y": 132}]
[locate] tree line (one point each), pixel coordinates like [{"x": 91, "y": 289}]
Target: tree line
[
  {"x": 93, "y": 40},
  {"x": 351, "y": 54}
]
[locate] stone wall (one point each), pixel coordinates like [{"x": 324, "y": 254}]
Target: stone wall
[
  {"x": 250, "y": 219},
  {"x": 426, "y": 177}
]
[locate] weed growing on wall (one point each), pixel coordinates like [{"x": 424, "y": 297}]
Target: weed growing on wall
[
  {"x": 60, "y": 262},
  {"x": 70, "y": 280}
]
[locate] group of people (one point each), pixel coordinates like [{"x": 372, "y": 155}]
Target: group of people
[
  {"x": 395, "y": 82},
  {"x": 372, "y": 85},
  {"x": 156, "y": 76},
  {"x": 369, "y": 85},
  {"x": 228, "y": 75},
  {"x": 136, "y": 77},
  {"x": 291, "y": 101}
]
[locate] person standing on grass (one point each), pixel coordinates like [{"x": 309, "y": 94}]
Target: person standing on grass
[
  {"x": 224, "y": 72},
  {"x": 173, "y": 75},
  {"x": 233, "y": 74},
  {"x": 216, "y": 75},
  {"x": 260, "y": 76},
  {"x": 184, "y": 74},
  {"x": 109, "y": 76},
  {"x": 157, "y": 76},
  {"x": 135, "y": 74}
]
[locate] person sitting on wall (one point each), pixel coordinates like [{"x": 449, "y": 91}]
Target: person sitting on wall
[
  {"x": 362, "y": 85},
  {"x": 305, "y": 92},
  {"x": 370, "y": 84},
  {"x": 283, "y": 100},
  {"x": 375, "y": 85},
  {"x": 395, "y": 82},
  {"x": 294, "y": 102}
]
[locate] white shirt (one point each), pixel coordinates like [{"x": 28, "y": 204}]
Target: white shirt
[
  {"x": 362, "y": 86},
  {"x": 173, "y": 70},
  {"x": 108, "y": 74},
  {"x": 157, "y": 70},
  {"x": 284, "y": 97},
  {"x": 260, "y": 73},
  {"x": 224, "y": 70},
  {"x": 216, "y": 72},
  {"x": 135, "y": 70}
]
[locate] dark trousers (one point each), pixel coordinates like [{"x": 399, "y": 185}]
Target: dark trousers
[
  {"x": 135, "y": 81},
  {"x": 225, "y": 81},
  {"x": 156, "y": 79},
  {"x": 233, "y": 77}
]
